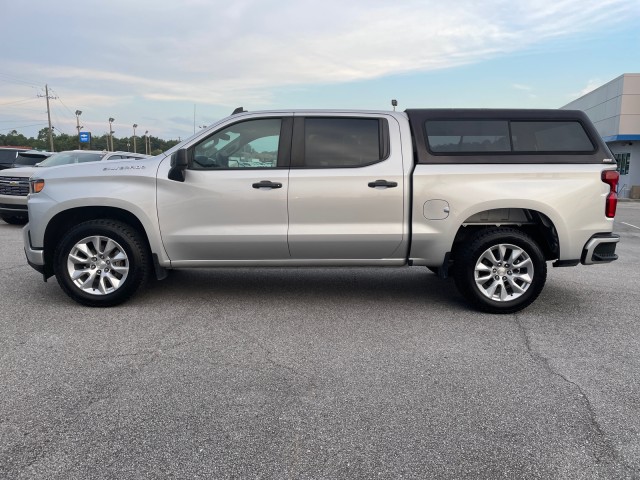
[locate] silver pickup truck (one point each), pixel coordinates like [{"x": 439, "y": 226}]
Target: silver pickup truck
[{"x": 486, "y": 196}]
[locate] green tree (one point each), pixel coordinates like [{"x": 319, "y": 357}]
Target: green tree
[
  {"x": 16, "y": 139},
  {"x": 63, "y": 141}
]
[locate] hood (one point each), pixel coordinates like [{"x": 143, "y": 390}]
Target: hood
[
  {"x": 102, "y": 169},
  {"x": 18, "y": 172}
]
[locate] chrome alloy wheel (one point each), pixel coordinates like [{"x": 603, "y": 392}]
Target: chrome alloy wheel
[
  {"x": 503, "y": 272},
  {"x": 97, "y": 265}
]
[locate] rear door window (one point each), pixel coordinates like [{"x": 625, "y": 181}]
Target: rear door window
[{"x": 344, "y": 142}]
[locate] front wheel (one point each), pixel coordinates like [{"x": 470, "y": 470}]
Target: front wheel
[
  {"x": 101, "y": 263},
  {"x": 500, "y": 270}
]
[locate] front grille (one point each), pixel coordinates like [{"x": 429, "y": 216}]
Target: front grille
[{"x": 17, "y": 186}]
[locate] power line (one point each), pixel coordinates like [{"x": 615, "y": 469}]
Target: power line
[
  {"x": 31, "y": 99},
  {"x": 58, "y": 122},
  {"x": 12, "y": 110},
  {"x": 19, "y": 81},
  {"x": 60, "y": 100},
  {"x": 22, "y": 126},
  {"x": 57, "y": 119}
]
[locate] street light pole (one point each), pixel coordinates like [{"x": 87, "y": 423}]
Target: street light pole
[
  {"x": 111, "y": 132},
  {"x": 135, "y": 125},
  {"x": 147, "y": 143},
  {"x": 78, "y": 113}
]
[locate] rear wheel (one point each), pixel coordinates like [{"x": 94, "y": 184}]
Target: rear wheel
[
  {"x": 500, "y": 270},
  {"x": 101, "y": 263}
]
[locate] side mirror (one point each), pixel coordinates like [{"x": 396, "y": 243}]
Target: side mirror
[{"x": 179, "y": 163}]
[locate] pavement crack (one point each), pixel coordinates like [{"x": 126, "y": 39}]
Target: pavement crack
[
  {"x": 268, "y": 354},
  {"x": 545, "y": 362},
  {"x": 181, "y": 343},
  {"x": 119, "y": 355}
]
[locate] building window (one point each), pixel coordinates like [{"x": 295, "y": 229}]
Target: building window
[{"x": 623, "y": 160}]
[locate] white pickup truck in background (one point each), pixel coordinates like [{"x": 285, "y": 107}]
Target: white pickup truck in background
[{"x": 487, "y": 196}]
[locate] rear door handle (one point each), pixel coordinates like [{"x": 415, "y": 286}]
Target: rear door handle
[
  {"x": 267, "y": 184},
  {"x": 383, "y": 183}
]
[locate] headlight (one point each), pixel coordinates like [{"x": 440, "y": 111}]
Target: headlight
[{"x": 36, "y": 186}]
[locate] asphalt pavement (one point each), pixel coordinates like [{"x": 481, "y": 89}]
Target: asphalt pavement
[{"x": 321, "y": 374}]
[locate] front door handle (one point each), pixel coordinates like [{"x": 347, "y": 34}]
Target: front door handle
[
  {"x": 383, "y": 183},
  {"x": 267, "y": 184}
]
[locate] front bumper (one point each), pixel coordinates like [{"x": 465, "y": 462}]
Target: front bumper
[
  {"x": 12, "y": 205},
  {"x": 601, "y": 248},
  {"x": 35, "y": 257},
  {"x": 19, "y": 211}
]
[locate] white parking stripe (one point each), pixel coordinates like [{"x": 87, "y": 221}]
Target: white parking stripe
[{"x": 625, "y": 223}]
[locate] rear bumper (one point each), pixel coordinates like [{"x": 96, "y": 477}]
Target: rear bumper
[{"x": 601, "y": 248}]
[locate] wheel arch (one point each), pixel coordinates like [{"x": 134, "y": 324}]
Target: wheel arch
[
  {"x": 532, "y": 222},
  {"x": 66, "y": 219}
]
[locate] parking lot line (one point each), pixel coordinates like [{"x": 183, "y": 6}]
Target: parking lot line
[{"x": 625, "y": 223}]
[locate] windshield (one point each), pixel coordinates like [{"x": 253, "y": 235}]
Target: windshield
[
  {"x": 23, "y": 160},
  {"x": 67, "y": 158}
]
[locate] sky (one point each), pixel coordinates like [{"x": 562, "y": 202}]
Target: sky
[{"x": 172, "y": 67}]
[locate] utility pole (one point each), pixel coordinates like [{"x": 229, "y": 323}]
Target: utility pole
[{"x": 46, "y": 95}]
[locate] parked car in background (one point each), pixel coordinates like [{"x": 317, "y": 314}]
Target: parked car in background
[
  {"x": 30, "y": 158},
  {"x": 14, "y": 182},
  {"x": 8, "y": 155}
]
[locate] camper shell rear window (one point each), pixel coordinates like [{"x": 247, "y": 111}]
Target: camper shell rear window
[
  {"x": 504, "y": 136},
  {"x": 507, "y": 136}
]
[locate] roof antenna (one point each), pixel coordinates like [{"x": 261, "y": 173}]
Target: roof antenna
[{"x": 238, "y": 110}]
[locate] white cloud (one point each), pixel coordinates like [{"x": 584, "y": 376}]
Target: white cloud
[
  {"x": 590, "y": 87},
  {"x": 525, "y": 88},
  {"x": 529, "y": 90},
  {"x": 230, "y": 53},
  {"x": 214, "y": 52}
]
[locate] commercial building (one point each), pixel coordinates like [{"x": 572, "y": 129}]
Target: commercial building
[{"x": 614, "y": 108}]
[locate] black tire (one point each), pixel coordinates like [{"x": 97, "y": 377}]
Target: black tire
[
  {"x": 486, "y": 278},
  {"x": 13, "y": 220},
  {"x": 109, "y": 261}
]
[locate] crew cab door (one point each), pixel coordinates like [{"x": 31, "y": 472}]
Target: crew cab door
[
  {"x": 346, "y": 188},
  {"x": 232, "y": 204}
]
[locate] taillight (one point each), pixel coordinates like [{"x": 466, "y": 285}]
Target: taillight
[{"x": 611, "y": 177}]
